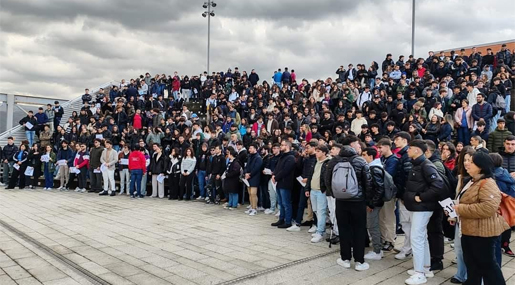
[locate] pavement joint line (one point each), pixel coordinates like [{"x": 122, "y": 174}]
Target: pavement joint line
[
  {"x": 277, "y": 268},
  {"x": 94, "y": 279}
]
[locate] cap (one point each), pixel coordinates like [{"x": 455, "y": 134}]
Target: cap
[
  {"x": 194, "y": 116},
  {"x": 56, "y": 102},
  {"x": 501, "y": 120},
  {"x": 420, "y": 144}
]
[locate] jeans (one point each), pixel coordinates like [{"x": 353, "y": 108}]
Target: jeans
[
  {"x": 8, "y": 168},
  {"x": 30, "y": 136},
  {"x": 319, "y": 204},
  {"x": 285, "y": 214},
  {"x": 464, "y": 135},
  {"x": 201, "y": 175},
  {"x": 479, "y": 256},
  {"x": 405, "y": 220},
  {"x": 273, "y": 195},
  {"x": 125, "y": 177},
  {"x": 352, "y": 223},
  {"x": 302, "y": 205},
  {"x": 461, "y": 275},
  {"x": 507, "y": 99},
  {"x": 374, "y": 230},
  {"x": 496, "y": 117},
  {"x": 419, "y": 242},
  {"x": 136, "y": 177},
  {"x": 233, "y": 200},
  {"x": 49, "y": 176},
  {"x": 83, "y": 181},
  {"x": 57, "y": 122}
]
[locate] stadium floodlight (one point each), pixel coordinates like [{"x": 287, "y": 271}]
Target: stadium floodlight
[
  {"x": 209, "y": 13},
  {"x": 205, "y": 5},
  {"x": 213, "y": 4},
  {"x": 212, "y": 14},
  {"x": 204, "y": 14}
]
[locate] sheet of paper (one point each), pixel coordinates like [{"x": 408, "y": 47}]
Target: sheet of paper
[
  {"x": 74, "y": 170},
  {"x": 62, "y": 162},
  {"x": 447, "y": 206},
  {"x": 29, "y": 126},
  {"x": 267, "y": 171},
  {"x": 224, "y": 176},
  {"x": 103, "y": 168},
  {"x": 16, "y": 166},
  {"x": 45, "y": 158},
  {"x": 161, "y": 178},
  {"x": 300, "y": 181},
  {"x": 97, "y": 171},
  {"x": 124, "y": 161},
  {"x": 29, "y": 171},
  {"x": 246, "y": 182},
  {"x": 99, "y": 136}
]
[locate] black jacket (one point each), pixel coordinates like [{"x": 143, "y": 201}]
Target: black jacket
[
  {"x": 309, "y": 166},
  {"x": 158, "y": 166},
  {"x": 232, "y": 177},
  {"x": 375, "y": 193},
  {"x": 284, "y": 171},
  {"x": 508, "y": 161},
  {"x": 403, "y": 169},
  {"x": 360, "y": 167},
  {"x": 8, "y": 152},
  {"x": 216, "y": 166},
  {"x": 32, "y": 120},
  {"x": 323, "y": 171},
  {"x": 254, "y": 167},
  {"x": 425, "y": 182}
]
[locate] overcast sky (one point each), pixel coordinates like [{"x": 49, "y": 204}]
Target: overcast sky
[{"x": 59, "y": 47}]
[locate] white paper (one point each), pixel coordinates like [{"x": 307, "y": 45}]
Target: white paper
[
  {"x": 74, "y": 170},
  {"x": 246, "y": 182},
  {"x": 447, "y": 206},
  {"x": 62, "y": 162},
  {"x": 224, "y": 176},
  {"x": 97, "y": 171},
  {"x": 124, "y": 161},
  {"x": 267, "y": 171},
  {"x": 161, "y": 178},
  {"x": 103, "y": 168},
  {"x": 16, "y": 166},
  {"x": 98, "y": 105},
  {"x": 45, "y": 158},
  {"x": 29, "y": 126},
  {"x": 99, "y": 136},
  {"x": 300, "y": 181},
  {"x": 29, "y": 171}
]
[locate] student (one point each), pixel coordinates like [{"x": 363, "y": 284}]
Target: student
[
  {"x": 138, "y": 168},
  {"x": 109, "y": 158},
  {"x": 81, "y": 163},
  {"x": 157, "y": 167},
  {"x": 48, "y": 167},
  {"x": 123, "y": 158},
  {"x": 187, "y": 173},
  {"x": 232, "y": 180},
  {"x": 18, "y": 176},
  {"x": 65, "y": 154}
]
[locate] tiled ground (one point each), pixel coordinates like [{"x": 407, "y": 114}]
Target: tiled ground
[{"x": 154, "y": 241}]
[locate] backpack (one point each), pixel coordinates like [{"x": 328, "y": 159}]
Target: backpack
[
  {"x": 345, "y": 184},
  {"x": 390, "y": 190},
  {"x": 447, "y": 188},
  {"x": 499, "y": 103}
]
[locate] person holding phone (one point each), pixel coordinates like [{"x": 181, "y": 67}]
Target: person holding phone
[{"x": 187, "y": 167}]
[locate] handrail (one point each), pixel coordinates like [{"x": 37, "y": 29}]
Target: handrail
[{"x": 67, "y": 104}]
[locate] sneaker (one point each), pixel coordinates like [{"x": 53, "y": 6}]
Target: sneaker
[
  {"x": 284, "y": 226},
  {"x": 373, "y": 255},
  {"x": 226, "y": 203},
  {"x": 2, "y": 184},
  {"x": 248, "y": 211},
  {"x": 132, "y": 197},
  {"x": 200, "y": 198},
  {"x": 313, "y": 229},
  {"x": 293, "y": 228},
  {"x": 103, "y": 193},
  {"x": 83, "y": 190},
  {"x": 141, "y": 197},
  {"x": 452, "y": 245},
  {"x": 402, "y": 255},
  {"x": 361, "y": 266},
  {"x": 260, "y": 209},
  {"x": 278, "y": 223},
  {"x": 427, "y": 273},
  {"x": 253, "y": 212},
  {"x": 248, "y": 207},
  {"x": 268, "y": 212},
  {"x": 388, "y": 246},
  {"x": 225, "y": 207},
  {"x": 121, "y": 192},
  {"x": 77, "y": 189},
  {"x": 448, "y": 240},
  {"x": 113, "y": 193},
  {"x": 317, "y": 238},
  {"x": 343, "y": 263},
  {"x": 418, "y": 278}
]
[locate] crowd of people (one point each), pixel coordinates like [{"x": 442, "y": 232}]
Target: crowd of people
[{"x": 370, "y": 153}]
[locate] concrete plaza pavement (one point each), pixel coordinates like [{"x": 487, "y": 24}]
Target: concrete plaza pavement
[{"x": 53, "y": 237}]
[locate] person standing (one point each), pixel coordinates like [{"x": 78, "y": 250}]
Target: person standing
[
  {"x": 18, "y": 176},
  {"x": 123, "y": 158},
  {"x": 480, "y": 223},
  {"x": 216, "y": 168},
  {"x": 351, "y": 213},
  {"x": 81, "y": 162},
  {"x": 157, "y": 167},
  {"x": 35, "y": 162},
  {"x": 270, "y": 164},
  {"x": 202, "y": 161},
  {"x": 232, "y": 180},
  {"x": 8, "y": 159},
  {"x": 58, "y": 114},
  {"x": 424, "y": 189},
  {"x": 283, "y": 176},
  {"x": 48, "y": 167},
  {"x": 188, "y": 164},
  {"x": 253, "y": 176},
  {"x": 308, "y": 164},
  {"x": 31, "y": 124},
  {"x": 138, "y": 168},
  {"x": 95, "y": 175},
  {"x": 174, "y": 174},
  {"x": 508, "y": 163},
  {"x": 64, "y": 154},
  {"x": 109, "y": 158}
]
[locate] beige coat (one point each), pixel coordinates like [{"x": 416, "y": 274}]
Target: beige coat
[
  {"x": 113, "y": 158},
  {"x": 478, "y": 210}
]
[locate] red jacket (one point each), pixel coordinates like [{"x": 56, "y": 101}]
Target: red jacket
[
  {"x": 136, "y": 123},
  {"x": 137, "y": 161},
  {"x": 81, "y": 160}
]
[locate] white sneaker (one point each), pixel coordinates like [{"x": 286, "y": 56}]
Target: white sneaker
[
  {"x": 83, "y": 190},
  {"x": 317, "y": 238},
  {"x": 402, "y": 255},
  {"x": 268, "y": 212},
  {"x": 293, "y": 228},
  {"x": 427, "y": 273},
  {"x": 343, "y": 263},
  {"x": 2, "y": 184},
  {"x": 253, "y": 212},
  {"x": 260, "y": 209},
  {"x": 418, "y": 278},
  {"x": 248, "y": 211},
  {"x": 226, "y": 203},
  {"x": 199, "y": 198},
  {"x": 278, "y": 213},
  {"x": 313, "y": 229},
  {"x": 361, "y": 266},
  {"x": 374, "y": 256},
  {"x": 77, "y": 189}
]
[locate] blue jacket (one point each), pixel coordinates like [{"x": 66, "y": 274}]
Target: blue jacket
[
  {"x": 390, "y": 164},
  {"x": 278, "y": 76},
  {"x": 482, "y": 111},
  {"x": 253, "y": 167},
  {"x": 66, "y": 155},
  {"x": 445, "y": 132},
  {"x": 42, "y": 118},
  {"x": 504, "y": 181}
]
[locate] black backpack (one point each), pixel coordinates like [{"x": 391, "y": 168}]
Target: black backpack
[{"x": 390, "y": 190}]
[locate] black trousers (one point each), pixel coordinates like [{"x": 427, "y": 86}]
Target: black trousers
[
  {"x": 173, "y": 180},
  {"x": 18, "y": 175},
  {"x": 83, "y": 178},
  {"x": 352, "y": 225},
  {"x": 95, "y": 180},
  {"x": 479, "y": 257},
  {"x": 505, "y": 238},
  {"x": 185, "y": 186},
  {"x": 435, "y": 236}
]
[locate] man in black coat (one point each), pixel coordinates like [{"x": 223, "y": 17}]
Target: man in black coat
[
  {"x": 216, "y": 168},
  {"x": 283, "y": 175}
]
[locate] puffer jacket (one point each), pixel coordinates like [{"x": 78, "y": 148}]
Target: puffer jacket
[
  {"x": 375, "y": 193},
  {"x": 496, "y": 139},
  {"x": 360, "y": 167},
  {"x": 478, "y": 210},
  {"x": 9, "y": 151},
  {"x": 284, "y": 171},
  {"x": 403, "y": 169},
  {"x": 508, "y": 161},
  {"x": 254, "y": 169},
  {"x": 158, "y": 166},
  {"x": 425, "y": 182}
]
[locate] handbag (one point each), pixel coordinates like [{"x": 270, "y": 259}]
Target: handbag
[{"x": 507, "y": 208}]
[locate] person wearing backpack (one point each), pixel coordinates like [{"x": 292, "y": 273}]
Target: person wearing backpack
[
  {"x": 283, "y": 176},
  {"x": 374, "y": 197},
  {"x": 348, "y": 178},
  {"x": 424, "y": 188},
  {"x": 387, "y": 221}
]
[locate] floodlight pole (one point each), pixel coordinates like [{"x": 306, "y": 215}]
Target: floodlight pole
[
  {"x": 413, "y": 29},
  {"x": 209, "y": 32}
]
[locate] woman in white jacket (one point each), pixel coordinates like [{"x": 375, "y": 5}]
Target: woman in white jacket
[
  {"x": 187, "y": 168},
  {"x": 109, "y": 158}
]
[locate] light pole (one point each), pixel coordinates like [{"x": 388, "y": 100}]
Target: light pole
[
  {"x": 413, "y": 29},
  {"x": 209, "y": 13}
]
